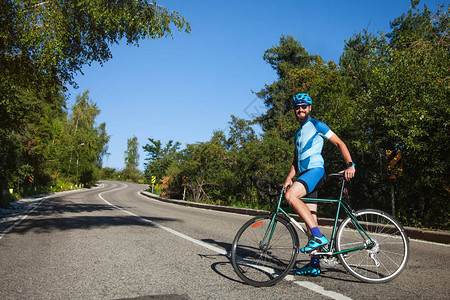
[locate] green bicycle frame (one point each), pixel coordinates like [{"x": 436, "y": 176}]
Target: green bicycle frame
[{"x": 340, "y": 204}]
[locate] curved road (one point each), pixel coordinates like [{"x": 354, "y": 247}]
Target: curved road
[{"x": 113, "y": 243}]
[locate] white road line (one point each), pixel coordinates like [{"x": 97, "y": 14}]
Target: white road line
[
  {"x": 21, "y": 218},
  {"x": 198, "y": 242},
  {"x": 318, "y": 289},
  {"x": 306, "y": 284}
]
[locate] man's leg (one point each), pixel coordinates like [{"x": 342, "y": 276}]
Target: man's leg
[
  {"x": 313, "y": 209},
  {"x": 313, "y": 267},
  {"x": 293, "y": 195}
]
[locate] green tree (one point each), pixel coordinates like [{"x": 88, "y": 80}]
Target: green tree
[
  {"x": 401, "y": 91},
  {"x": 86, "y": 140},
  {"x": 43, "y": 44},
  {"x": 132, "y": 154},
  {"x": 218, "y": 171},
  {"x": 240, "y": 133},
  {"x": 103, "y": 142},
  {"x": 285, "y": 56},
  {"x": 159, "y": 158},
  {"x": 131, "y": 171},
  {"x": 204, "y": 165},
  {"x": 58, "y": 37}
]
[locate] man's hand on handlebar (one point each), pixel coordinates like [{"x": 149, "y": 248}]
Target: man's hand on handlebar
[
  {"x": 287, "y": 183},
  {"x": 349, "y": 173}
]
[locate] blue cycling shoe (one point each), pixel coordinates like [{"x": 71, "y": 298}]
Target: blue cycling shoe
[
  {"x": 308, "y": 270},
  {"x": 314, "y": 243}
]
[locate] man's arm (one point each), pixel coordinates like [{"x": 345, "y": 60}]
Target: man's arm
[
  {"x": 349, "y": 172},
  {"x": 292, "y": 171}
]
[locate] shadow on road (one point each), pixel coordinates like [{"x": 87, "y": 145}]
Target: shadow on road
[
  {"x": 62, "y": 214},
  {"x": 334, "y": 273}
]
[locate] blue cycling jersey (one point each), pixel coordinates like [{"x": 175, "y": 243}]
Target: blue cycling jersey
[{"x": 309, "y": 143}]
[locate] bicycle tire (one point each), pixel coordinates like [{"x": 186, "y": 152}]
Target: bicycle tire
[
  {"x": 257, "y": 264},
  {"x": 381, "y": 262}
]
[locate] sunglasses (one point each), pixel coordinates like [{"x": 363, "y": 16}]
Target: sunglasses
[{"x": 302, "y": 106}]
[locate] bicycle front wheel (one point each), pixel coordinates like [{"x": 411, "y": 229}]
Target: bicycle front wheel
[
  {"x": 263, "y": 254},
  {"x": 383, "y": 256}
]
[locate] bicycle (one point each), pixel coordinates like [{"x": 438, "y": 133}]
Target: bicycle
[{"x": 371, "y": 244}]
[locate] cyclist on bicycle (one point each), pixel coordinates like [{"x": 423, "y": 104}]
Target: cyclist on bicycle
[{"x": 309, "y": 162}]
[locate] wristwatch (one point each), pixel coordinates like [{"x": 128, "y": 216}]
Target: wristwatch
[{"x": 350, "y": 164}]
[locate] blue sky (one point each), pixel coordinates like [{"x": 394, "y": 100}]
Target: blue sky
[{"x": 185, "y": 88}]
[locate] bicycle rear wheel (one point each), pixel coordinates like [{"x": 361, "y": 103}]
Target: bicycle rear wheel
[
  {"x": 265, "y": 263},
  {"x": 380, "y": 261}
]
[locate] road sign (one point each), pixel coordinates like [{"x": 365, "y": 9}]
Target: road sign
[
  {"x": 153, "y": 179},
  {"x": 394, "y": 168}
]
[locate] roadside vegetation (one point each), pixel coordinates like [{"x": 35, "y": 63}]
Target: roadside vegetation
[{"x": 43, "y": 45}]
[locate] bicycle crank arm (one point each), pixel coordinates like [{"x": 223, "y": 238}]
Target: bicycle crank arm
[{"x": 317, "y": 253}]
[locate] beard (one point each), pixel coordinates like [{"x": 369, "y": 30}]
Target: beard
[{"x": 302, "y": 118}]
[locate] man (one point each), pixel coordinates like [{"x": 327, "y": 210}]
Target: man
[{"x": 309, "y": 162}]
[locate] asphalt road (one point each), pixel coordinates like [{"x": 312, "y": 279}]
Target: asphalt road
[{"x": 113, "y": 243}]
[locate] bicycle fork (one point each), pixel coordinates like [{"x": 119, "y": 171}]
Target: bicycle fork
[{"x": 265, "y": 243}]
